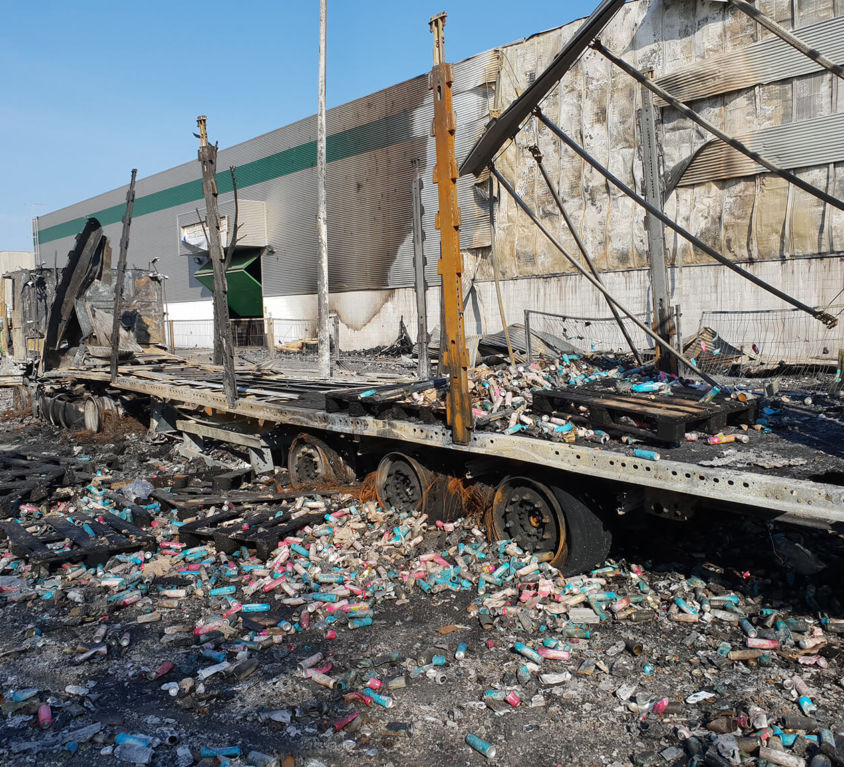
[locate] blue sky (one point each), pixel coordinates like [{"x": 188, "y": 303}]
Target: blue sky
[{"x": 93, "y": 89}]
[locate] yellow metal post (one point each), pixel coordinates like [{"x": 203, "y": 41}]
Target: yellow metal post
[{"x": 454, "y": 355}]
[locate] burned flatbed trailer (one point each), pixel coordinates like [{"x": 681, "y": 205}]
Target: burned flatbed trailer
[
  {"x": 551, "y": 496},
  {"x": 558, "y": 494}
]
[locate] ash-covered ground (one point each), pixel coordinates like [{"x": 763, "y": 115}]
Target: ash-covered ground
[{"x": 653, "y": 665}]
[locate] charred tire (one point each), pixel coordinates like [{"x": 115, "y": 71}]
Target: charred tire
[
  {"x": 402, "y": 483},
  {"x": 589, "y": 540},
  {"x": 93, "y": 414},
  {"x": 71, "y": 412},
  {"x": 549, "y": 522},
  {"x": 310, "y": 461}
]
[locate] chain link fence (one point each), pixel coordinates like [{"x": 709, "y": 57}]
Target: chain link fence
[
  {"x": 777, "y": 344},
  {"x": 589, "y": 335},
  {"x": 786, "y": 345},
  {"x": 254, "y": 333}
]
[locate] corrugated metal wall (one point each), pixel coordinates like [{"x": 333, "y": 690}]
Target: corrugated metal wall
[
  {"x": 373, "y": 140},
  {"x": 371, "y": 144},
  {"x": 784, "y": 104}
]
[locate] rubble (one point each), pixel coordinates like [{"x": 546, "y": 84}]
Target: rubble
[
  {"x": 364, "y": 624},
  {"x": 597, "y": 399}
]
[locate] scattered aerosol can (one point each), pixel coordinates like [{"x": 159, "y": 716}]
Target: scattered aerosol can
[
  {"x": 480, "y": 745},
  {"x": 528, "y": 652}
]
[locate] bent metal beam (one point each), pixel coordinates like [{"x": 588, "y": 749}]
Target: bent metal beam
[
  {"x": 824, "y": 317},
  {"x": 505, "y": 127}
]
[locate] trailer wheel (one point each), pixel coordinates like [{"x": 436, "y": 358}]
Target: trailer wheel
[
  {"x": 550, "y": 523},
  {"x": 312, "y": 462},
  {"x": 528, "y": 512},
  {"x": 93, "y": 414},
  {"x": 402, "y": 483},
  {"x": 21, "y": 398}
]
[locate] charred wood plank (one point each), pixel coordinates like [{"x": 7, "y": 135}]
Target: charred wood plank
[
  {"x": 63, "y": 526},
  {"x": 22, "y": 543}
]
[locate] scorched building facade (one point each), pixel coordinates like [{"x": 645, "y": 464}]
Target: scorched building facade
[{"x": 716, "y": 59}]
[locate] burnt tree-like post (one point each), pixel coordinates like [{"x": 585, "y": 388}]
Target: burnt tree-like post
[
  {"x": 222, "y": 326},
  {"x": 121, "y": 275}
]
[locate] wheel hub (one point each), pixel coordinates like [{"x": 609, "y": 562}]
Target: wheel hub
[
  {"x": 402, "y": 489},
  {"x": 529, "y": 520},
  {"x": 308, "y": 465}
]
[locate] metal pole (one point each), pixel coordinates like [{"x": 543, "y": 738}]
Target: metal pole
[
  {"x": 121, "y": 275},
  {"x": 497, "y": 276},
  {"x": 423, "y": 362},
  {"x": 528, "y": 344},
  {"x": 533, "y": 217},
  {"x": 269, "y": 329},
  {"x": 822, "y": 316},
  {"x": 786, "y": 36},
  {"x": 656, "y": 240},
  {"x": 537, "y": 155},
  {"x": 678, "y": 329},
  {"x": 714, "y": 130},
  {"x": 324, "y": 334}
]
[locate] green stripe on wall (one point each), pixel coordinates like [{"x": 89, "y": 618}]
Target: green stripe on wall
[{"x": 377, "y": 134}]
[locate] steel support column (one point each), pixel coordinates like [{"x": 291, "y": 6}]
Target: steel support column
[{"x": 454, "y": 354}]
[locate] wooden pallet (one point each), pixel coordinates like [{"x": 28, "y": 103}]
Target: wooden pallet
[
  {"x": 31, "y": 478},
  {"x": 189, "y": 501},
  {"x": 258, "y": 530},
  {"x": 112, "y": 535},
  {"x": 387, "y": 402},
  {"x": 660, "y": 418}
]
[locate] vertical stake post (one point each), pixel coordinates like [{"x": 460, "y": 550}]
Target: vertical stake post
[
  {"x": 222, "y": 324},
  {"x": 454, "y": 354},
  {"x": 663, "y": 320},
  {"x": 121, "y": 275},
  {"x": 424, "y": 363}
]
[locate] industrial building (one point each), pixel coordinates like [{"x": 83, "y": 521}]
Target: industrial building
[{"x": 728, "y": 68}]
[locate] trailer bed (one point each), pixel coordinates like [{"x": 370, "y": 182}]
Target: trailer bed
[{"x": 806, "y": 487}]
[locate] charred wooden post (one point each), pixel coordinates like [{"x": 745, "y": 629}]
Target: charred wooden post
[
  {"x": 454, "y": 354},
  {"x": 222, "y": 325},
  {"x": 660, "y": 300},
  {"x": 121, "y": 276}
]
